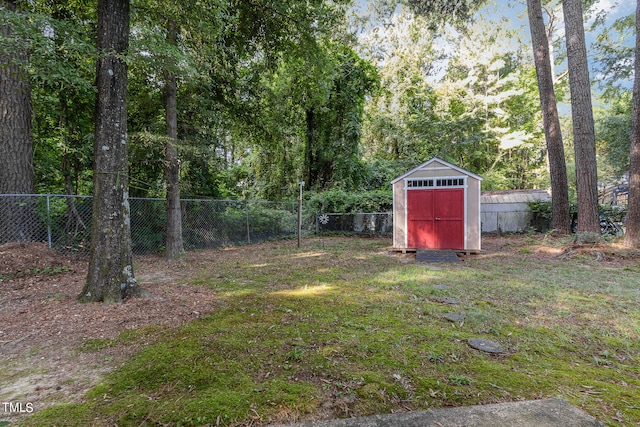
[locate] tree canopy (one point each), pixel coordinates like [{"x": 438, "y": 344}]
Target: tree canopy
[{"x": 271, "y": 93}]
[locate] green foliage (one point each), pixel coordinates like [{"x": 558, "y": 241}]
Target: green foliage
[
  {"x": 340, "y": 201},
  {"x": 245, "y": 71},
  {"x": 145, "y": 165},
  {"x": 436, "y": 13},
  {"x": 459, "y": 380},
  {"x": 483, "y": 115},
  {"x": 496, "y": 180},
  {"x": 542, "y": 212},
  {"x": 614, "y": 213},
  {"x": 62, "y": 71},
  {"x": 267, "y": 223},
  {"x": 213, "y": 223},
  {"x": 332, "y": 152},
  {"x": 380, "y": 172},
  {"x": 271, "y": 93},
  {"x": 613, "y": 132},
  {"x": 614, "y": 52},
  {"x": 149, "y": 218}
]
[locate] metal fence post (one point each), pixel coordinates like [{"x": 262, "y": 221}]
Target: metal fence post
[
  {"x": 301, "y": 184},
  {"x": 49, "y": 221},
  {"x": 246, "y": 207},
  {"x": 294, "y": 206}
]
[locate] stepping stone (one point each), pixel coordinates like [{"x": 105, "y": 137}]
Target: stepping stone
[
  {"x": 431, "y": 267},
  {"x": 486, "y": 345},
  {"x": 447, "y": 300},
  {"x": 442, "y": 287},
  {"x": 454, "y": 317}
]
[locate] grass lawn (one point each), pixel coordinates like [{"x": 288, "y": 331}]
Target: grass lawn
[{"x": 343, "y": 327}]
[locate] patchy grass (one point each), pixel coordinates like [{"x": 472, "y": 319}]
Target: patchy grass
[
  {"x": 343, "y": 328},
  {"x": 36, "y": 271},
  {"x": 141, "y": 336}
]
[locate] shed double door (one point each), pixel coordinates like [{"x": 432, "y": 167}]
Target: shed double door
[{"x": 435, "y": 219}]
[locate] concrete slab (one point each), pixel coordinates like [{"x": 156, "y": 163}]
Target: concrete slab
[{"x": 531, "y": 413}]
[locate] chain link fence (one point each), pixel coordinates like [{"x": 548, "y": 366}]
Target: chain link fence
[
  {"x": 379, "y": 223},
  {"x": 64, "y": 222}
]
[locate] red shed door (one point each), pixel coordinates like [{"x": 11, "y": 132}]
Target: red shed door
[{"x": 435, "y": 218}]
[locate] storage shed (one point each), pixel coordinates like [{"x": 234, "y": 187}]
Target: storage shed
[
  {"x": 508, "y": 211},
  {"x": 437, "y": 206}
]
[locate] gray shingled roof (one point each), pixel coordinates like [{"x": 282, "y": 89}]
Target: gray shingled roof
[{"x": 514, "y": 196}]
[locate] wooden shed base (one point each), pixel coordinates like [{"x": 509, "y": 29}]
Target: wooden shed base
[{"x": 459, "y": 252}]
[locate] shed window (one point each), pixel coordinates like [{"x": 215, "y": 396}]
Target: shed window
[
  {"x": 419, "y": 183},
  {"x": 428, "y": 183},
  {"x": 450, "y": 182}
]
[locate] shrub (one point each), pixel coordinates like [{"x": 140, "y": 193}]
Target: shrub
[
  {"x": 542, "y": 213},
  {"x": 340, "y": 201}
]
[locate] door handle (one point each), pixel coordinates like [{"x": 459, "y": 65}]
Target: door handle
[{"x": 437, "y": 219}]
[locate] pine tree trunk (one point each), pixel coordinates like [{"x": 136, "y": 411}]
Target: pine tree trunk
[
  {"x": 174, "y": 246},
  {"x": 632, "y": 238},
  {"x": 17, "y": 215},
  {"x": 110, "y": 278},
  {"x": 553, "y": 134},
  {"x": 582, "y": 114}
]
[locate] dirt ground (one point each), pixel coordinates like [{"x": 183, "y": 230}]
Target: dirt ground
[{"x": 42, "y": 326}]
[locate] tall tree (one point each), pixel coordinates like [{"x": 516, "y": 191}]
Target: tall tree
[
  {"x": 332, "y": 150},
  {"x": 110, "y": 278},
  {"x": 174, "y": 246},
  {"x": 551, "y": 122},
  {"x": 583, "y": 123},
  {"x": 632, "y": 238},
  {"x": 16, "y": 143}
]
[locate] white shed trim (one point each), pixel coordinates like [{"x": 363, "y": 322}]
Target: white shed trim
[{"x": 435, "y": 159}]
